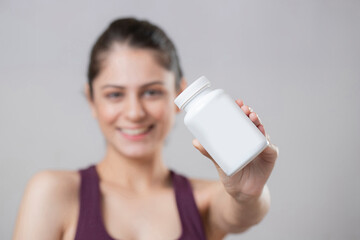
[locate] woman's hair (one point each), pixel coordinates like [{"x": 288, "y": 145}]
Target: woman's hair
[{"x": 138, "y": 34}]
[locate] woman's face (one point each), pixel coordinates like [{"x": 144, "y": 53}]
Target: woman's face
[{"x": 133, "y": 101}]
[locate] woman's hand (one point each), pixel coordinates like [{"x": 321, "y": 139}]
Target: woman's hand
[{"x": 249, "y": 182}]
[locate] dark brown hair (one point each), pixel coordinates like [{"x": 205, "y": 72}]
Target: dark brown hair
[{"x": 138, "y": 34}]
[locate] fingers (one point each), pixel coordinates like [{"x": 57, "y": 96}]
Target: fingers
[
  {"x": 239, "y": 102},
  {"x": 254, "y": 117},
  {"x": 262, "y": 129},
  {"x": 246, "y": 109}
]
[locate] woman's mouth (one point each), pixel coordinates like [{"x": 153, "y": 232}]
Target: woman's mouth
[{"x": 136, "y": 133}]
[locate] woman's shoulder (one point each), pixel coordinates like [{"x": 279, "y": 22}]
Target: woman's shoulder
[
  {"x": 55, "y": 182},
  {"x": 49, "y": 200},
  {"x": 56, "y": 188},
  {"x": 204, "y": 184},
  {"x": 201, "y": 184},
  {"x": 204, "y": 190}
]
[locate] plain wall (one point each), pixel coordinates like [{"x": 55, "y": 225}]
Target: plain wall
[{"x": 297, "y": 63}]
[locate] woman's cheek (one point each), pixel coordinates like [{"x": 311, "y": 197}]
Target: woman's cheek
[
  {"x": 159, "y": 110},
  {"x": 108, "y": 113}
]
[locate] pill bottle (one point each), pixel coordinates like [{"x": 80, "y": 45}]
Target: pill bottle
[{"x": 220, "y": 125}]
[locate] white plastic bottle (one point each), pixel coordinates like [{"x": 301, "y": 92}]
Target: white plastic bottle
[{"x": 221, "y": 127}]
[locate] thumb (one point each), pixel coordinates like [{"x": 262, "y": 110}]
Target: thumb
[{"x": 203, "y": 151}]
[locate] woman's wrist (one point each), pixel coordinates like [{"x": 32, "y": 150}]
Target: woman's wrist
[
  {"x": 249, "y": 199},
  {"x": 246, "y": 211}
]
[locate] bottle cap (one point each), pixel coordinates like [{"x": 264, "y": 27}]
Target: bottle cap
[{"x": 191, "y": 91}]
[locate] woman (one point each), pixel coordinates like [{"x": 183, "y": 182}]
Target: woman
[{"x": 134, "y": 76}]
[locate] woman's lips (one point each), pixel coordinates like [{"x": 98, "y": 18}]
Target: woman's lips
[{"x": 135, "y": 133}]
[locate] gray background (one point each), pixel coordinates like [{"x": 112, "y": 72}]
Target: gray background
[{"x": 297, "y": 63}]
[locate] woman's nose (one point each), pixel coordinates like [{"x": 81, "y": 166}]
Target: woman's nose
[{"x": 134, "y": 109}]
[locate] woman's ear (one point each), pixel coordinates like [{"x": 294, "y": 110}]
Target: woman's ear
[
  {"x": 90, "y": 100},
  {"x": 183, "y": 85}
]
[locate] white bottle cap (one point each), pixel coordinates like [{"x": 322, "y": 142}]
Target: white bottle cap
[{"x": 191, "y": 91}]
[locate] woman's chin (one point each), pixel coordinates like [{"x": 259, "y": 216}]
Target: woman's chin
[{"x": 137, "y": 152}]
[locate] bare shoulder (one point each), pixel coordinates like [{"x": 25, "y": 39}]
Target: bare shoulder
[
  {"x": 56, "y": 188},
  {"x": 54, "y": 184},
  {"x": 204, "y": 190},
  {"x": 205, "y": 185},
  {"x": 48, "y": 196}
]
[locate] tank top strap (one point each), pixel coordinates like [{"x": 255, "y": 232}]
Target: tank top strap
[
  {"x": 90, "y": 226},
  {"x": 189, "y": 214}
]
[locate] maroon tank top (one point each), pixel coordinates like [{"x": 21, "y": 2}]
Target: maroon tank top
[{"x": 91, "y": 226}]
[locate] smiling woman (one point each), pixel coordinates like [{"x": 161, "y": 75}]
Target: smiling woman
[
  {"x": 132, "y": 101},
  {"x": 134, "y": 76}
]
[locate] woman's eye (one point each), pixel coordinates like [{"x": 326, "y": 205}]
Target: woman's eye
[
  {"x": 152, "y": 92},
  {"x": 114, "y": 95}
]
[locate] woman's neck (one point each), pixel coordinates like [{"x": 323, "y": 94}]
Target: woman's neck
[{"x": 139, "y": 175}]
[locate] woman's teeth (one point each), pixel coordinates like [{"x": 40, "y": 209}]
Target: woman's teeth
[{"x": 134, "y": 132}]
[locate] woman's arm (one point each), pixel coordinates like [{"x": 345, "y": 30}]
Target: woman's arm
[
  {"x": 243, "y": 199},
  {"x": 43, "y": 208},
  {"x": 229, "y": 215}
]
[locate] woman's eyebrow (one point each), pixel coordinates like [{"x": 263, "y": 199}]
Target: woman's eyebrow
[
  {"x": 112, "y": 86},
  {"x": 152, "y": 83},
  {"x": 122, "y": 87}
]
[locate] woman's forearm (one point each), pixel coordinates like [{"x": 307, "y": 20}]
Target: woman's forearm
[{"x": 241, "y": 212}]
